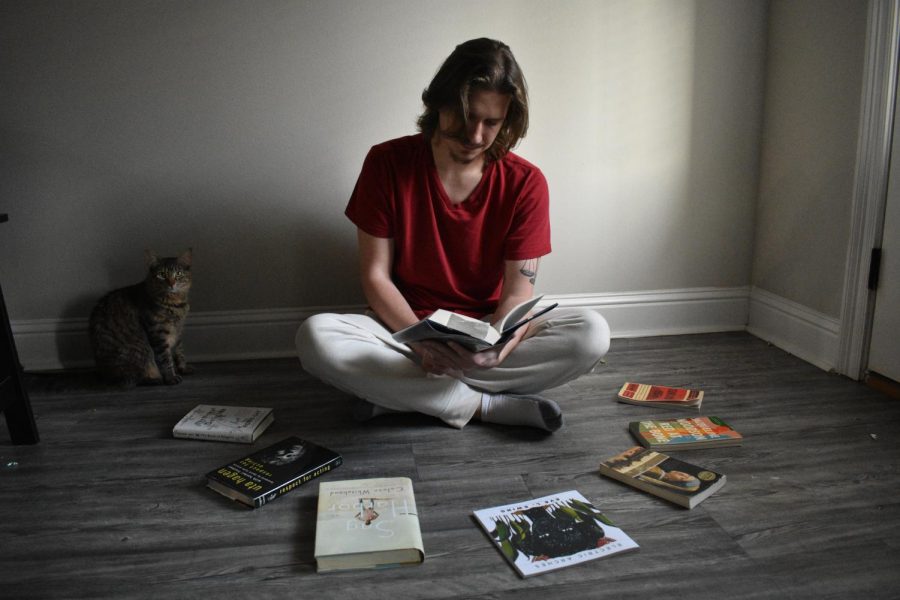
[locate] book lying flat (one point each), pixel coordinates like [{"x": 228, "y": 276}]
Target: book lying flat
[
  {"x": 367, "y": 524},
  {"x": 272, "y": 472},
  {"x": 552, "y": 532},
  {"x": 472, "y": 333},
  {"x": 684, "y": 434},
  {"x": 674, "y": 480},
  {"x": 659, "y": 396},
  {"x": 224, "y": 423}
]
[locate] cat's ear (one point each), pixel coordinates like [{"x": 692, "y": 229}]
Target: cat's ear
[
  {"x": 150, "y": 258},
  {"x": 185, "y": 258}
]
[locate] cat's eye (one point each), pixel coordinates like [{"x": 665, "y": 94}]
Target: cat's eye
[{"x": 160, "y": 275}]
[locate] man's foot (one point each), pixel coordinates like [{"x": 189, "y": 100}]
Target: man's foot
[
  {"x": 363, "y": 410},
  {"x": 529, "y": 411}
]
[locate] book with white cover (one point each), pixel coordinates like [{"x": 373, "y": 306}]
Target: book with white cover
[{"x": 224, "y": 423}]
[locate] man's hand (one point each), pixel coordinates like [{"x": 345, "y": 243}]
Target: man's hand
[{"x": 455, "y": 360}]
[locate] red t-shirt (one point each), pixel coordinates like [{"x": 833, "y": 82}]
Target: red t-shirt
[{"x": 450, "y": 256}]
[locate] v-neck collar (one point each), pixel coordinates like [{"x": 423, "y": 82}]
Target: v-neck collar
[{"x": 475, "y": 198}]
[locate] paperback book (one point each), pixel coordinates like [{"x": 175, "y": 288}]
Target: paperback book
[
  {"x": 224, "y": 423},
  {"x": 659, "y": 396},
  {"x": 549, "y": 533},
  {"x": 367, "y": 524},
  {"x": 685, "y": 434},
  {"x": 677, "y": 481},
  {"x": 272, "y": 472},
  {"x": 472, "y": 333}
]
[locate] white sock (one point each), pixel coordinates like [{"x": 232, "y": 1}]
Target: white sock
[{"x": 531, "y": 411}]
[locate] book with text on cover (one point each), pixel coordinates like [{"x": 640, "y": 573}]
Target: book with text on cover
[
  {"x": 684, "y": 434},
  {"x": 677, "y": 481},
  {"x": 659, "y": 396},
  {"x": 224, "y": 423},
  {"x": 265, "y": 475},
  {"x": 472, "y": 333},
  {"x": 367, "y": 524},
  {"x": 552, "y": 532}
]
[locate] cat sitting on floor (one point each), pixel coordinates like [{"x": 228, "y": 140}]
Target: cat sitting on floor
[{"x": 136, "y": 330}]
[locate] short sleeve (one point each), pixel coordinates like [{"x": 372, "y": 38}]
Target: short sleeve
[
  {"x": 370, "y": 206},
  {"x": 529, "y": 235}
]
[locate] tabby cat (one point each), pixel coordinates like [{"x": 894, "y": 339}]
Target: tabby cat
[{"x": 136, "y": 330}]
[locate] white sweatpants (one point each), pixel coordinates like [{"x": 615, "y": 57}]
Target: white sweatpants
[{"x": 356, "y": 354}]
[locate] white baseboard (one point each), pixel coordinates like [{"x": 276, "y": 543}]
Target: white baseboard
[
  {"x": 47, "y": 344},
  {"x": 805, "y": 333}
]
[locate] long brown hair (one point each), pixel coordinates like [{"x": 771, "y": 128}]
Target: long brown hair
[{"x": 479, "y": 64}]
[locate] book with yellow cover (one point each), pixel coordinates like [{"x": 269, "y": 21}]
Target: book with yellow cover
[{"x": 367, "y": 524}]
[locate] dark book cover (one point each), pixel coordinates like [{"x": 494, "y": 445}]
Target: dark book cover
[{"x": 272, "y": 472}]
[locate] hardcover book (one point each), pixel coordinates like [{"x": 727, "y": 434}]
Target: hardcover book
[
  {"x": 659, "y": 396},
  {"x": 224, "y": 423},
  {"x": 677, "y": 481},
  {"x": 367, "y": 524},
  {"x": 684, "y": 434},
  {"x": 549, "y": 533},
  {"x": 472, "y": 333},
  {"x": 272, "y": 472}
]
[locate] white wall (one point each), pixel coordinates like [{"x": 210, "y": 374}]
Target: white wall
[
  {"x": 238, "y": 128},
  {"x": 809, "y": 154},
  {"x": 812, "y": 108}
]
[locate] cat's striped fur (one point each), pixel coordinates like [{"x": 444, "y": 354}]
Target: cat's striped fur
[{"x": 136, "y": 330}]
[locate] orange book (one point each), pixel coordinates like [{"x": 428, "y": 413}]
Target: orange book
[{"x": 659, "y": 396}]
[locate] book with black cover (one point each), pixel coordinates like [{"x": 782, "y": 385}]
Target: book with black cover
[
  {"x": 674, "y": 480},
  {"x": 544, "y": 534},
  {"x": 472, "y": 333},
  {"x": 272, "y": 472}
]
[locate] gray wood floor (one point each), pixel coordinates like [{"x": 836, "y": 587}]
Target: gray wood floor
[{"x": 108, "y": 505}]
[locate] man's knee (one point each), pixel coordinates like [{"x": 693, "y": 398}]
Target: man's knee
[
  {"x": 309, "y": 341},
  {"x": 593, "y": 341}
]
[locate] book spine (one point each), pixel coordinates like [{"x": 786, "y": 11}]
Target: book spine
[
  {"x": 211, "y": 436},
  {"x": 299, "y": 480}
]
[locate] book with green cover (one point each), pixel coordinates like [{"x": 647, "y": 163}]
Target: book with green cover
[
  {"x": 367, "y": 524},
  {"x": 684, "y": 434}
]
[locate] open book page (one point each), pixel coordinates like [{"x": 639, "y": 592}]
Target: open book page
[
  {"x": 473, "y": 333},
  {"x": 468, "y": 325}
]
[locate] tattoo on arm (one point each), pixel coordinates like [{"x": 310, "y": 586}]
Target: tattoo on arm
[{"x": 529, "y": 269}]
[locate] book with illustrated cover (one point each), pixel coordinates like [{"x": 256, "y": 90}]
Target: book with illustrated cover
[
  {"x": 674, "y": 480},
  {"x": 542, "y": 535},
  {"x": 224, "y": 423},
  {"x": 659, "y": 396},
  {"x": 472, "y": 333},
  {"x": 367, "y": 524},
  {"x": 272, "y": 472},
  {"x": 684, "y": 434}
]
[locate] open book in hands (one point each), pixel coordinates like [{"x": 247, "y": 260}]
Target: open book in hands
[{"x": 474, "y": 334}]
